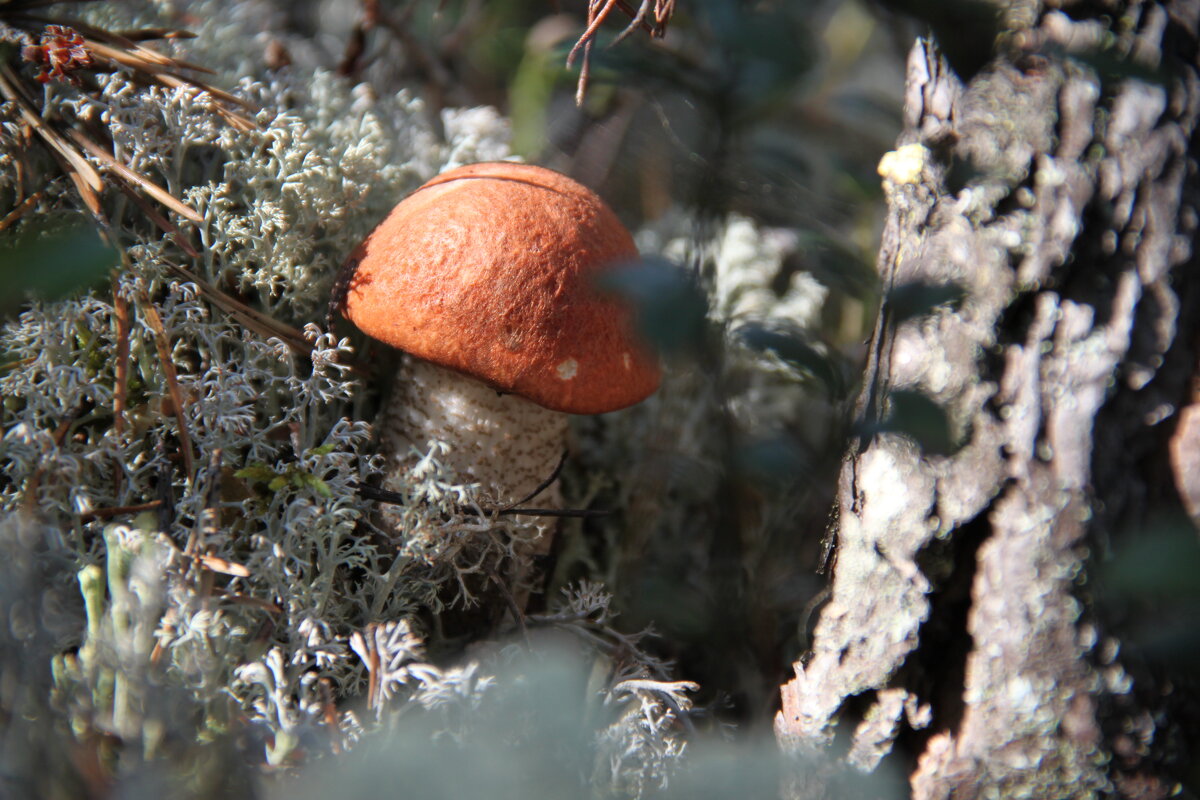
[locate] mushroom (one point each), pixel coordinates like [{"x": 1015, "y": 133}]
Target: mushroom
[{"x": 486, "y": 278}]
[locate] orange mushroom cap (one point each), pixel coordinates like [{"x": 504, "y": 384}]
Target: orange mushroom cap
[{"x": 490, "y": 270}]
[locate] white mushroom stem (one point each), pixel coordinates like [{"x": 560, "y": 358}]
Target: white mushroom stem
[{"x": 503, "y": 442}]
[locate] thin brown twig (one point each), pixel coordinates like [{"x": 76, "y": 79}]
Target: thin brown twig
[
  {"x": 364, "y": 644},
  {"x": 21, "y": 169},
  {"x": 85, "y": 177},
  {"x": 9, "y": 366},
  {"x": 260, "y": 323},
  {"x": 101, "y": 49},
  {"x": 117, "y": 511},
  {"x": 90, "y": 197},
  {"x": 29, "y": 496},
  {"x": 21, "y": 210},
  {"x": 598, "y": 12},
  {"x": 146, "y": 34},
  {"x": 585, "y": 73},
  {"x": 329, "y": 713},
  {"x": 163, "y": 344},
  {"x": 121, "y": 389},
  {"x": 164, "y": 70},
  {"x": 223, "y": 565},
  {"x": 541, "y": 487},
  {"x": 356, "y": 47},
  {"x": 145, "y": 184},
  {"x": 127, "y": 45},
  {"x": 595, "y": 20},
  {"x": 663, "y": 10},
  {"x": 124, "y": 328},
  {"x": 164, "y": 224}
]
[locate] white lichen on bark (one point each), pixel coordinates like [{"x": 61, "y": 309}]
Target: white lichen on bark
[{"x": 954, "y": 612}]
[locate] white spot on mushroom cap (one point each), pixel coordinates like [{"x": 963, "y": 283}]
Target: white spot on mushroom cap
[
  {"x": 567, "y": 369},
  {"x": 627, "y": 360}
]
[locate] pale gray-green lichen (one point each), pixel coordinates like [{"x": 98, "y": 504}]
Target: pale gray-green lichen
[
  {"x": 251, "y": 585},
  {"x": 225, "y": 560}
]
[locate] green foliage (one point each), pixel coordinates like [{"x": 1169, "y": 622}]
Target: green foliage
[
  {"x": 1150, "y": 582},
  {"x": 918, "y": 417},
  {"x": 1113, "y": 65},
  {"x": 669, "y": 306},
  {"x": 793, "y": 350},
  {"x": 753, "y": 58},
  {"x": 911, "y": 300},
  {"x": 838, "y": 266},
  {"x": 50, "y": 263},
  {"x": 1162, "y": 561},
  {"x": 775, "y": 461},
  {"x": 276, "y": 478}
]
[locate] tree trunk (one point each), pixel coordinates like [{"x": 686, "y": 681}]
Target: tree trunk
[{"x": 962, "y": 644}]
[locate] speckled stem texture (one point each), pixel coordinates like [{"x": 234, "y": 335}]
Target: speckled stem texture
[
  {"x": 502, "y": 442},
  {"x": 959, "y": 646}
]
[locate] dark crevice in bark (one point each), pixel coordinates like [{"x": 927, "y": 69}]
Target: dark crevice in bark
[
  {"x": 936, "y": 671},
  {"x": 1131, "y": 434},
  {"x": 1012, "y": 204},
  {"x": 1089, "y": 276},
  {"x": 854, "y": 707},
  {"x": 963, "y": 171},
  {"x": 1012, "y": 323},
  {"x": 1164, "y": 686},
  {"x": 991, "y": 363}
]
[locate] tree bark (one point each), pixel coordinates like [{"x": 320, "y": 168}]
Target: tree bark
[{"x": 960, "y": 644}]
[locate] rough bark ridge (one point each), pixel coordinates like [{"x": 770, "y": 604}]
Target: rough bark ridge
[{"x": 957, "y": 644}]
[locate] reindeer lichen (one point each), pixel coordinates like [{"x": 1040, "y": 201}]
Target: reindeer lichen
[{"x": 188, "y": 441}]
